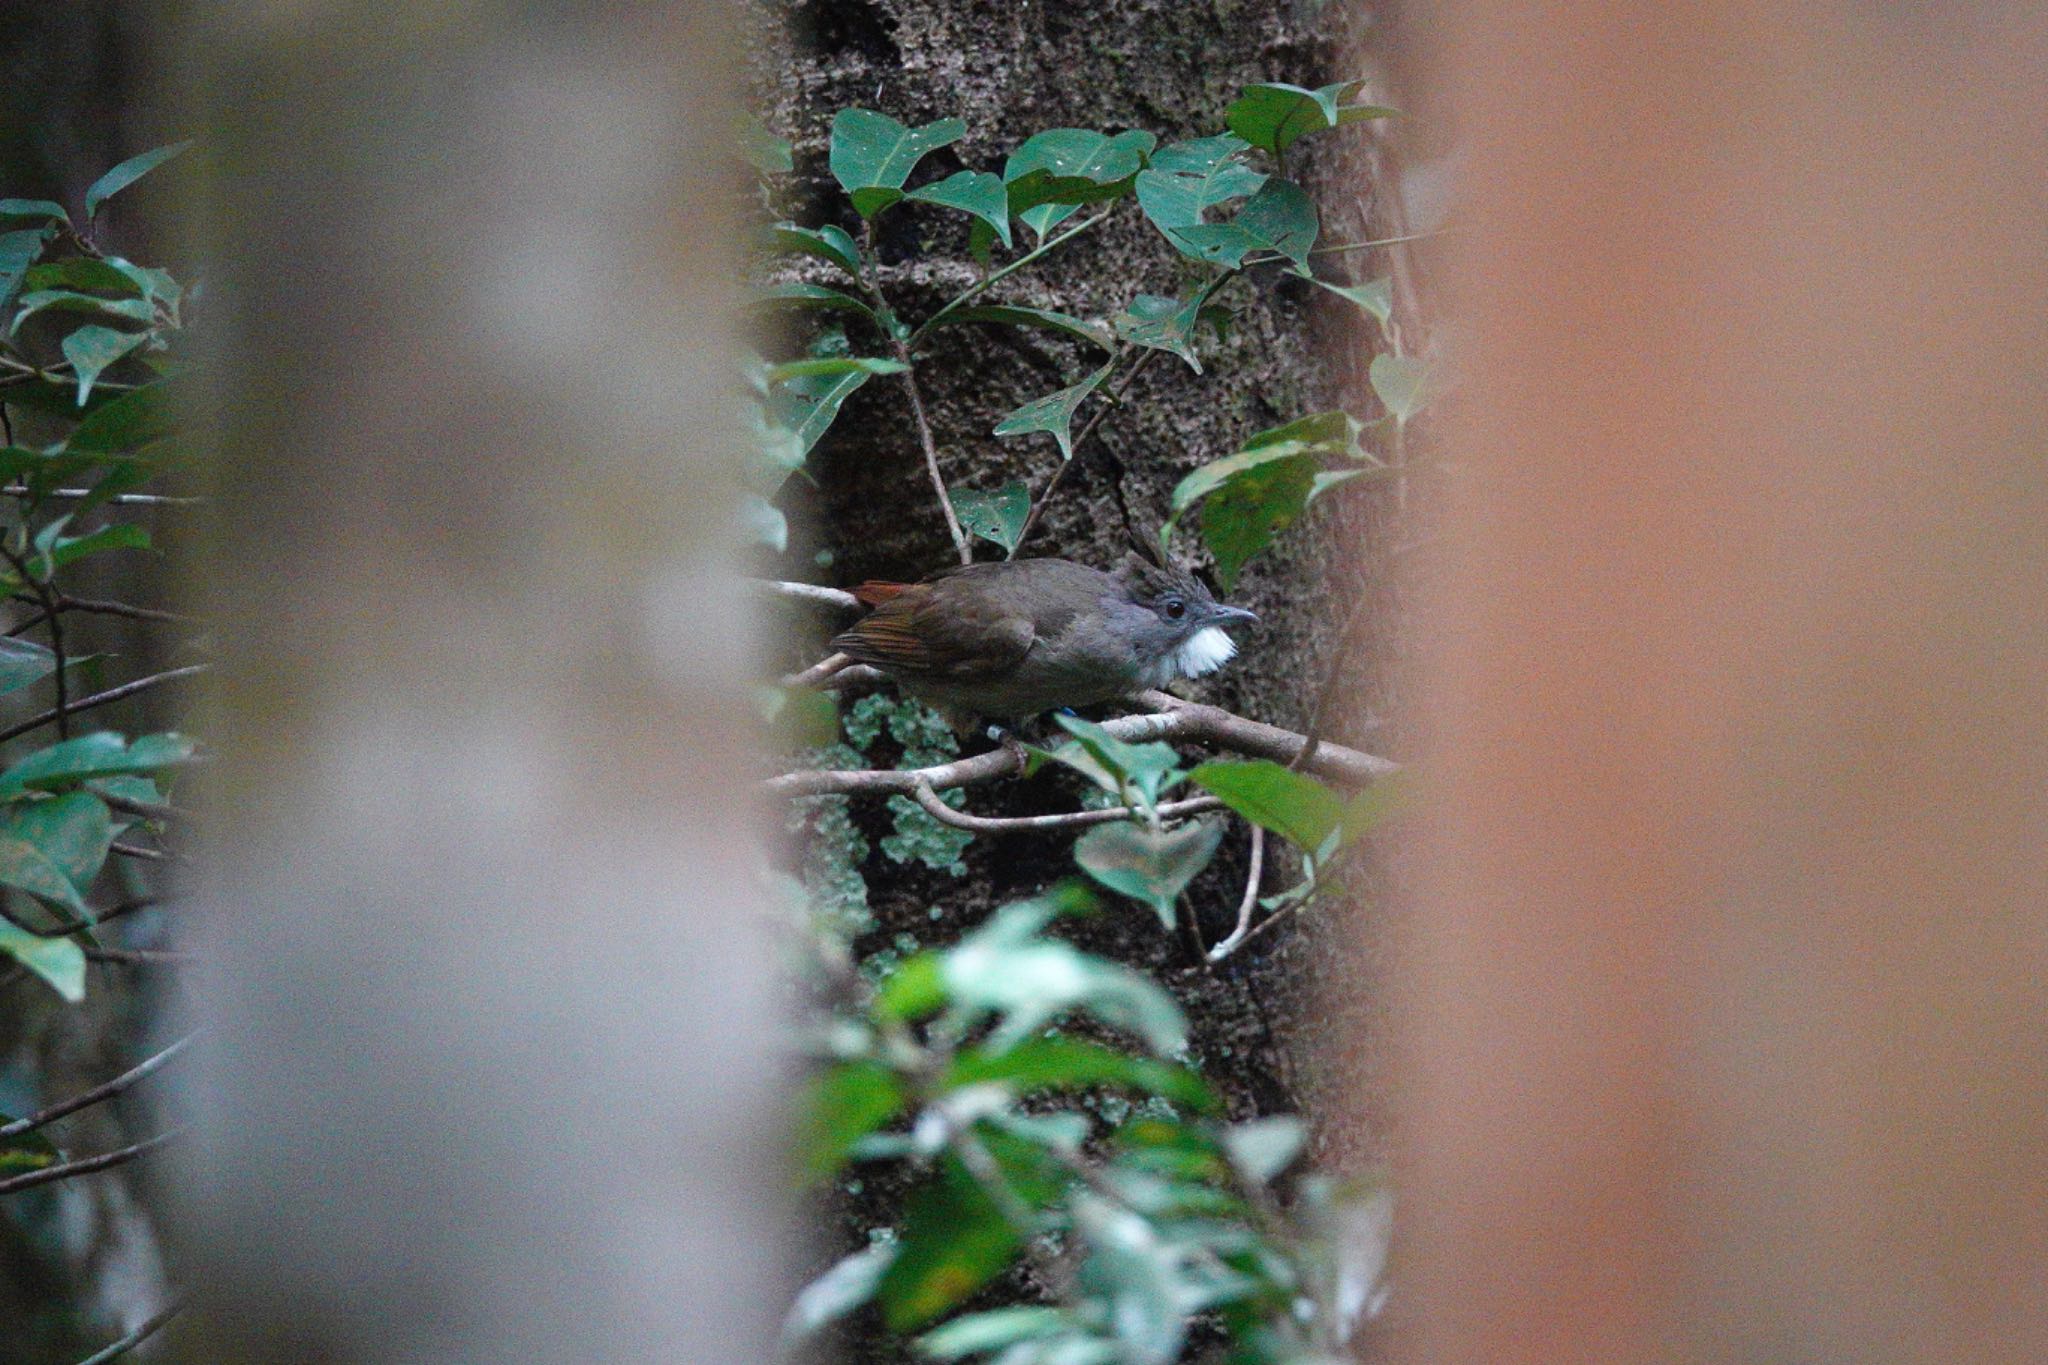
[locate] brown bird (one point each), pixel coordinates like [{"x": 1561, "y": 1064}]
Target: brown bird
[{"x": 1013, "y": 639}]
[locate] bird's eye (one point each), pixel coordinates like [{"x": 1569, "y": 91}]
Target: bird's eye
[{"x": 1174, "y": 608}]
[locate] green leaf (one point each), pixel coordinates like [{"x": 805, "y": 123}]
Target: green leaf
[
  {"x": 1187, "y": 179},
  {"x": 72, "y": 831},
  {"x": 997, "y": 516},
  {"x": 92, "y": 349},
  {"x": 83, "y": 272},
  {"x": 1164, "y": 324},
  {"x": 1149, "y": 1301},
  {"x": 58, "y": 961},
  {"x": 1153, "y": 866},
  {"x": 1056, "y": 171},
  {"x": 101, "y": 754},
  {"x": 71, "y": 301},
  {"x": 1334, "y": 432},
  {"x": 846, "y": 1286},
  {"x": 827, "y": 243},
  {"x": 872, "y": 154},
  {"x": 1375, "y": 296},
  {"x": 1274, "y": 116},
  {"x": 29, "y": 1151},
  {"x": 1054, "y": 413},
  {"x": 956, "y": 1238},
  {"x": 1149, "y": 768},
  {"x": 833, "y": 367},
  {"x": 18, "y": 250},
  {"x": 974, "y": 1333},
  {"x": 915, "y": 990},
  {"x": 801, "y": 295},
  {"x": 60, "y": 551},
  {"x": 1255, "y": 505},
  {"x": 23, "y": 662},
  {"x": 1402, "y": 384},
  {"x": 129, "y": 422},
  {"x": 126, "y": 174},
  {"x": 759, "y": 148},
  {"x": 808, "y": 405},
  {"x": 1269, "y": 794},
  {"x": 1005, "y": 969},
  {"x": 1039, "y": 1064},
  {"x": 1279, "y": 218},
  {"x": 1091, "y": 332},
  {"x": 980, "y": 193},
  {"x": 26, "y": 867},
  {"x": 1262, "y": 1148},
  {"x": 34, "y": 208},
  {"x": 841, "y": 1107}
]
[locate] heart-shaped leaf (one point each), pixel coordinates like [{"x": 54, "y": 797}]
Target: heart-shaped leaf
[
  {"x": 980, "y": 193},
  {"x": 872, "y": 154},
  {"x": 1147, "y": 864},
  {"x": 997, "y": 516},
  {"x": 1054, "y": 413}
]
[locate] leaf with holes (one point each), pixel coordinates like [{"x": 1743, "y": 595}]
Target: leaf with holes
[
  {"x": 1187, "y": 179},
  {"x": 1149, "y": 865},
  {"x": 980, "y": 193},
  {"x": 872, "y": 154},
  {"x": 1058, "y": 170},
  {"x": 1054, "y": 413},
  {"x": 997, "y": 516},
  {"x": 1280, "y": 218},
  {"x": 1164, "y": 324}
]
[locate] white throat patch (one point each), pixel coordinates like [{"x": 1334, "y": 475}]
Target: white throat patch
[{"x": 1207, "y": 650}]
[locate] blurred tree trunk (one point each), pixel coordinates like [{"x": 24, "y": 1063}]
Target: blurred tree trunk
[
  {"x": 490, "y": 1067},
  {"x": 1728, "y": 1021}
]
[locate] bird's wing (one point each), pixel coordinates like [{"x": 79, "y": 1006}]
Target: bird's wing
[{"x": 978, "y": 639}]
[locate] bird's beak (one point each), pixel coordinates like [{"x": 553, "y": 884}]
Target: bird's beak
[{"x": 1226, "y": 615}]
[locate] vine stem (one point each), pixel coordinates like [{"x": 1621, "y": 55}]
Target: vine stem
[
  {"x": 1111, "y": 400},
  {"x": 909, "y": 377},
  {"x": 976, "y": 289}
]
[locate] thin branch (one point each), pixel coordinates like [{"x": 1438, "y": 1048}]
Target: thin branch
[
  {"x": 102, "y": 607},
  {"x": 79, "y": 926},
  {"x": 152, "y": 855},
  {"x": 107, "y": 1091},
  {"x": 149, "y": 1328},
  {"x": 87, "y": 1165},
  {"x": 1177, "y": 720},
  {"x": 15, "y": 490},
  {"x": 974, "y": 291},
  {"x": 46, "y": 595},
  {"x": 890, "y": 326},
  {"x": 140, "y": 957},
  {"x": 810, "y": 592},
  {"x": 112, "y": 694},
  {"x": 1251, "y": 898},
  {"x": 148, "y": 810},
  {"x": 819, "y": 671},
  {"x": 1024, "y": 824}
]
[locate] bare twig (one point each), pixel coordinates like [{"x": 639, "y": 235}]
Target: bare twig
[
  {"x": 820, "y": 671},
  {"x": 87, "y": 1098},
  {"x": 1251, "y": 898},
  {"x": 112, "y": 694},
  {"x": 1175, "y": 720},
  {"x": 889, "y": 326},
  {"x": 102, "y": 607},
  {"x": 86, "y": 1165},
  {"x": 147, "y": 1329},
  {"x": 151, "y": 855},
  {"x": 810, "y": 592},
  {"x": 46, "y": 596},
  {"x": 77, "y": 926},
  {"x": 16, "y": 490},
  {"x": 1026, "y": 824}
]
